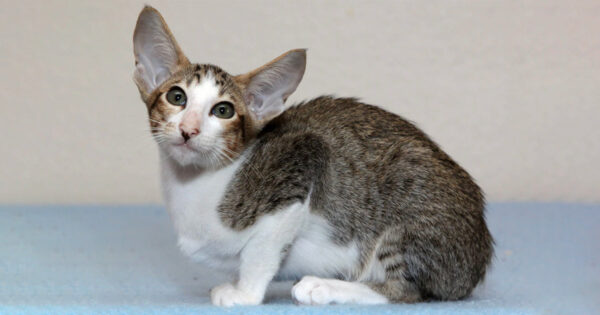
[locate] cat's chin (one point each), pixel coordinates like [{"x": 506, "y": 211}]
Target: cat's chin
[{"x": 191, "y": 156}]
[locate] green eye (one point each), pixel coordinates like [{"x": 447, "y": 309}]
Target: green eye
[
  {"x": 176, "y": 96},
  {"x": 223, "y": 110}
]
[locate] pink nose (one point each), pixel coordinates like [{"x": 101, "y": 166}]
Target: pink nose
[{"x": 189, "y": 126}]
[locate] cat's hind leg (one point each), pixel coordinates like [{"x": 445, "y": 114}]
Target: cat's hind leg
[
  {"x": 384, "y": 279},
  {"x": 318, "y": 291},
  {"x": 397, "y": 286}
]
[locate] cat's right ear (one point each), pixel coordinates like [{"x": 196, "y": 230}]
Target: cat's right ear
[{"x": 157, "y": 54}]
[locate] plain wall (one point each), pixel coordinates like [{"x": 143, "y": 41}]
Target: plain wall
[{"x": 510, "y": 89}]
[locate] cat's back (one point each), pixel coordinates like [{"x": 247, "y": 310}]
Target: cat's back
[
  {"x": 339, "y": 120},
  {"x": 361, "y": 149},
  {"x": 364, "y": 139}
]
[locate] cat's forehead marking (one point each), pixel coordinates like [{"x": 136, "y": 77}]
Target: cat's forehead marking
[{"x": 220, "y": 78}]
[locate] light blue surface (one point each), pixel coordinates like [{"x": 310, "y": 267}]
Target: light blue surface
[{"x": 101, "y": 259}]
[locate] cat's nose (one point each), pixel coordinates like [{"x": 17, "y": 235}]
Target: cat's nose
[
  {"x": 188, "y": 133},
  {"x": 188, "y": 130},
  {"x": 189, "y": 126}
]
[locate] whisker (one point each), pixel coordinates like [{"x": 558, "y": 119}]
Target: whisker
[{"x": 250, "y": 166}]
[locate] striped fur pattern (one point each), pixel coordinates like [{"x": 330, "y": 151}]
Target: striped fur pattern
[{"x": 305, "y": 188}]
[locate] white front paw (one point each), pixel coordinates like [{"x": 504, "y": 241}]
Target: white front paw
[
  {"x": 228, "y": 295},
  {"x": 313, "y": 291}
]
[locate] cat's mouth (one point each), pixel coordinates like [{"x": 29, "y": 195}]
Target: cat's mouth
[{"x": 186, "y": 146}]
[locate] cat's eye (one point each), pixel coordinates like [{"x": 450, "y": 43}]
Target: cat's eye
[
  {"x": 223, "y": 110},
  {"x": 176, "y": 96}
]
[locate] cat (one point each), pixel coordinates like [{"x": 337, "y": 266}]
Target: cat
[{"x": 353, "y": 201}]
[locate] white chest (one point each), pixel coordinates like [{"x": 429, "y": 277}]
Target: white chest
[{"x": 192, "y": 200}]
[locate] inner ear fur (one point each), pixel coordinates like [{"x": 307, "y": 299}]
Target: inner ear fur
[
  {"x": 157, "y": 53},
  {"x": 266, "y": 88}
]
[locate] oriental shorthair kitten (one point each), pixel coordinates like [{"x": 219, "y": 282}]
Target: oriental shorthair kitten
[{"x": 355, "y": 203}]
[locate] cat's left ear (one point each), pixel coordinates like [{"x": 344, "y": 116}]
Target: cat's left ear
[
  {"x": 157, "y": 54},
  {"x": 267, "y": 88}
]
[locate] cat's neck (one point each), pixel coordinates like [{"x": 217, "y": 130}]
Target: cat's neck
[{"x": 174, "y": 171}]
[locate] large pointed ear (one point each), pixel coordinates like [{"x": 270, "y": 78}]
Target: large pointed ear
[
  {"x": 157, "y": 55},
  {"x": 267, "y": 88}
]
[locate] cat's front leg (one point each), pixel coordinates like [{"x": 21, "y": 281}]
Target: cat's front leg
[
  {"x": 259, "y": 262},
  {"x": 261, "y": 257}
]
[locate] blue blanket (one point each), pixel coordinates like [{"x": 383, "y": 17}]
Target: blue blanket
[{"x": 123, "y": 259}]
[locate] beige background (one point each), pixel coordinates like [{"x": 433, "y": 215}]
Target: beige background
[{"x": 511, "y": 89}]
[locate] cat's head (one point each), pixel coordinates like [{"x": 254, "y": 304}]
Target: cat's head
[{"x": 199, "y": 114}]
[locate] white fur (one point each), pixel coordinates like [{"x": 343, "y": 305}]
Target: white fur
[
  {"x": 317, "y": 291},
  {"x": 227, "y": 294},
  {"x": 192, "y": 205},
  {"x": 332, "y": 259},
  {"x": 260, "y": 257}
]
